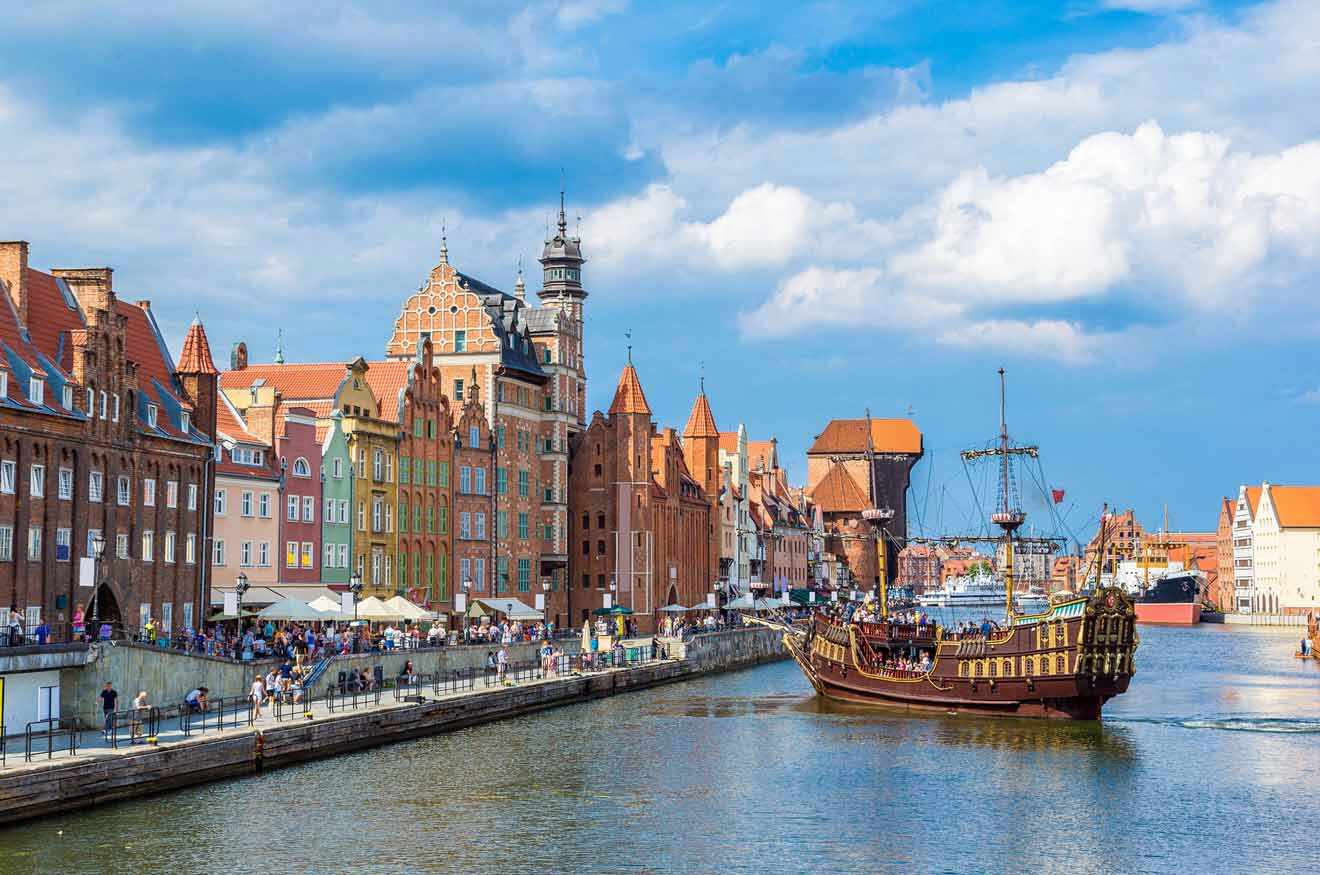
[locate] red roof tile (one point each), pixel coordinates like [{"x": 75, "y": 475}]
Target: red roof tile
[
  {"x": 701, "y": 423},
  {"x": 195, "y": 358},
  {"x": 887, "y": 436},
  {"x": 49, "y": 313},
  {"x": 838, "y": 492},
  {"x": 629, "y": 397}
]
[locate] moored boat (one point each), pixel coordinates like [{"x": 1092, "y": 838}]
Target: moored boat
[{"x": 1173, "y": 600}]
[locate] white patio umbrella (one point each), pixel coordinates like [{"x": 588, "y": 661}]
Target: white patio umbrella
[
  {"x": 407, "y": 609},
  {"x": 374, "y": 609},
  {"x": 291, "y": 609}
]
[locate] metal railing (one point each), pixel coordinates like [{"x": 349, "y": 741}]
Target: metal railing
[
  {"x": 337, "y": 699},
  {"x": 54, "y": 728},
  {"x": 214, "y": 714},
  {"x": 142, "y": 723}
]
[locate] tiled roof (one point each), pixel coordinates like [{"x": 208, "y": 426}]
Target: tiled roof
[
  {"x": 229, "y": 423},
  {"x": 701, "y": 423},
  {"x": 21, "y": 359},
  {"x": 386, "y": 379},
  {"x": 629, "y": 397},
  {"x": 838, "y": 492},
  {"x": 296, "y": 382},
  {"x": 157, "y": 383},
  {"x": 729, "y": 441},
  {"x": 1253, "y": 499},
  {"x": 195, "y": 358},
  {"x": 887, "y": 436},
  {"x": 1297, "y": 506},
  {"x": 52, "y": 310}
]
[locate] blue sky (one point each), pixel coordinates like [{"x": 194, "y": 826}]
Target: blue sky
[{"x": 834, "y": 206}]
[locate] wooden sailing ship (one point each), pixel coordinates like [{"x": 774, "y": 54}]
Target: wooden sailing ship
[{"x": 1064, "y": 662}]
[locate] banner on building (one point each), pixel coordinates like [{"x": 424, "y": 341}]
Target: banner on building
[
  {"x": 609, "y": 601},
  {"x": 540, "y": 601},
  {"x": 460, "y": 603},
  {"x": 231, "y": 603},
  {"x": 346, "y": 602},
  {"x": 710, "y": 599},
  {"x": 87, "y": 571}
]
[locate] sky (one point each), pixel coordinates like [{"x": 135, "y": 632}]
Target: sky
[{"x": 825, "y": 207}]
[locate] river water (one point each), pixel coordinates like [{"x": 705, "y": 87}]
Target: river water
[{"x": 1204, "y": 765}]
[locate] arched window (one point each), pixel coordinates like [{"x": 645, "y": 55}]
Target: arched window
[
  {"x": 994, "y": 668},
  {"x": 301, "y": 468},
  {"x": 980, "y": 668},
  {"x": 586, "y": 521},
  {"x": 1031, "y": 666},
  {"x": 600, "y": 547},
  {"x": 600, "y": 520},
  {"x": 1060, "y": 664}
]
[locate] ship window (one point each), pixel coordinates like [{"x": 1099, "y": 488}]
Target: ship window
[
  {"x": 980, "y": 669},
  {"x": 962, "y": 669},
  {"x": 1008, "y": 667},
  {"x": 994, "y": 668},
  {"x": 1031, "y": 666},
  {"x": 1058, "y": 633},
  {"x": 1060, "y": 664}
]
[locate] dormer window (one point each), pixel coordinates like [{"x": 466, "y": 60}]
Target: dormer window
[
  {"x": 152, "y": 411},
  {"x": 4, "y": 384},
  {"x": 66, "y": 401},
  {"x": 37, "y": 390},
  {"x": 185, "y": 422}
]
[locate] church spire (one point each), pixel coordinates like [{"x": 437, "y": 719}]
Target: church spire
[
  {"x": 279, "y": 347},
  {"x": 444, "y": 244},
  {"x": 519, "y": 287}
]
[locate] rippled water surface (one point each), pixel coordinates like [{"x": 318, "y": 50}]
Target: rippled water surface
[{"x": 1203, "y": 766}]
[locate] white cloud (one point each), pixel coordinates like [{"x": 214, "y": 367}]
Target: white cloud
[{"x": 1055, "y": 339}]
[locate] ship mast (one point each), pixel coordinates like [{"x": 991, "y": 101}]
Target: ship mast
[{"x": 878, "y": 517}]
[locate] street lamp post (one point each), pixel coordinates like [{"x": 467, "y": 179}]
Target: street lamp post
[
  {"x": 466, "y": 586},
  {"x": 98, "y": 551},
  {"x": 545, "y": 611},
  {"x": 355, "y": 587}
]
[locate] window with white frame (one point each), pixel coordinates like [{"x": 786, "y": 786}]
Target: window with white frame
[
  {"x": 378, "y": 465},
  {"x": 32, "y": 616},
  {"x": 185, "y": 422},
  {"x": 308, "y": 554},
  {"x": 4, "y": 384},
  {"x": 190, "y": 549},
  {"x": 329, "y": 561},
  {"x": 309, "y": 508},
  {"x": 377, "y": 514},
  {"x": 89, "y": 550},
  {"x": 148, "y": 492},
  {"x": 301, "y": 468},
  {"x": 376, "y": 561},
  {"x": 389, "y": 517},
  {"x": 221, "y": 502},
  {"x": 37, "y": 389},
  {"x": 34, "y": 542},
  {"x": 171, "y": 493},
  {"x": 192, "y": 496},
  {"x": 291, "y": 554},
  {"x": 219, "y": 557},
  {"x": 389, "y": 468},
  {"x": 103, "y": 406},
  {"x": 121, "y": 545},
  {"x": 37, "y": 481},
  {"x": 6, "y": 543},
  {"x": 187, "y": 615},
  {"x": 152, "y": 412},
  {"x": 91, "y": 402},
  {"x": 148, "y": 546},
  {"x": 337, "y": 468},
  {"x": 293, "y": 508},
  {"x": 63, "y": 545},
  {"x": 114, "y": 418},
  {"x": 247, "y": 503},
  {"x": 125, "y": 491},
  {"x": 263, "y": 554},
  {"x": 263, "y": 505},
  {"x": 65, "y": 484},
  {"x": 170, "y": 540},
  {"x": 8, "y": 472},
  {"x": 389, "y": 571},
  {"x": 343, "y": 511},
  {"x": 343, "y": 555},
  {"x": 329, "y": 510},
  {"x": 245, "y": 554},
  {"x": 66, "y": 397}
]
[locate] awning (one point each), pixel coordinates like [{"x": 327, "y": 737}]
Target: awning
[
  {"x": 270, "y": 593},
  {"x": 511, "y": 608},
  {"x": 292, "y": 609},
  {"x": 674, "y": 609},
  {"x": 612, "y": 611},
  {"x": 407, "y": 609},
  {"x": 374, "y": 609}
]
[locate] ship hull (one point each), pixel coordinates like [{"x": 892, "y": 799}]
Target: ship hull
[
  {"x": 1169, "y": 613},
  {"x": 1064, "y": 664}
]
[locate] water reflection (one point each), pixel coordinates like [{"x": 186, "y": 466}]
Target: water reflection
[{"x": 750, "y": 772}]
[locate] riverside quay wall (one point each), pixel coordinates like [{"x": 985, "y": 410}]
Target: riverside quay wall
[
  {"x": 168, "y": 675},
  {"x": 29, "y": 790}
]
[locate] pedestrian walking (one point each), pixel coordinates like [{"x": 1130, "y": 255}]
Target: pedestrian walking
[
  {"x": 502, "y": 663},
  {"x": 140, "y": 707},
  {"x": 108, "y": 699},
  {"x": 258, "y": 695}
]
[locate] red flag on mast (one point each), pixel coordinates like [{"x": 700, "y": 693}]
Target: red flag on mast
[{"x": 1057, "y": 495}]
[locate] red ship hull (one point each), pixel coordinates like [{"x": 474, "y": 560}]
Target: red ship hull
[{"x": 1169, "y": 613}]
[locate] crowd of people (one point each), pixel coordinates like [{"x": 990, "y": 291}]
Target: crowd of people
[{"x": 486, "y": 631}]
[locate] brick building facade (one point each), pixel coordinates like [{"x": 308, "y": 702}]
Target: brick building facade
[{"x": 100, "y": 435}]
